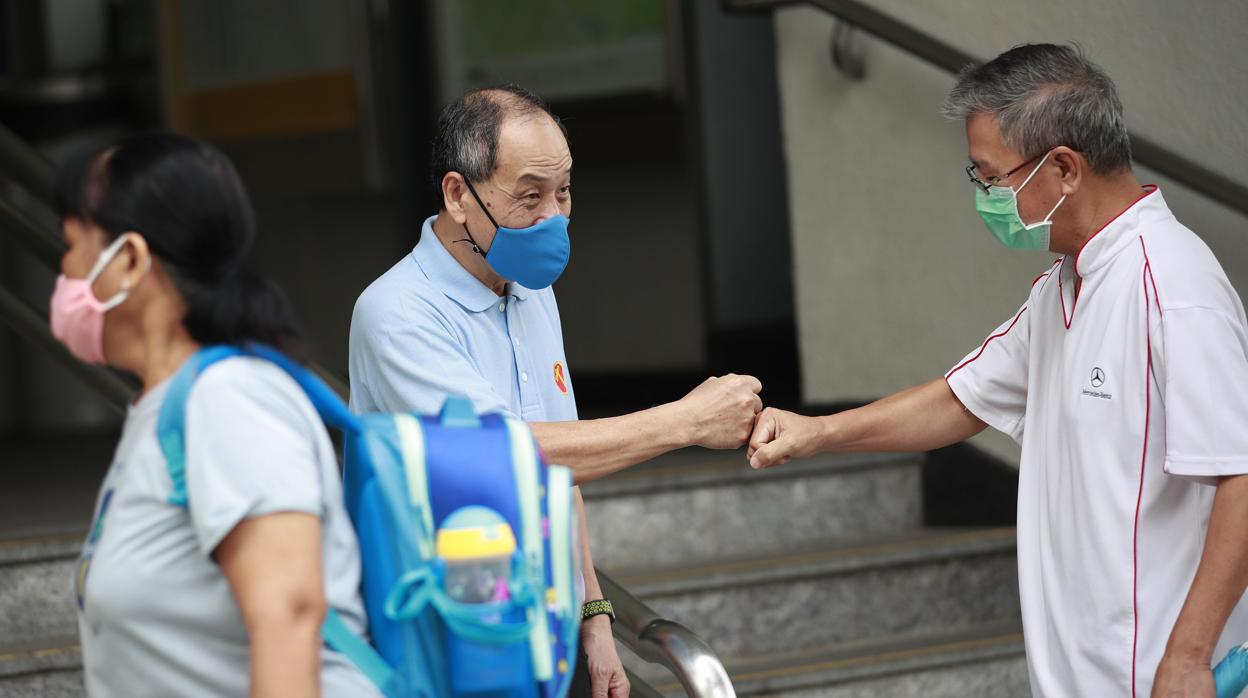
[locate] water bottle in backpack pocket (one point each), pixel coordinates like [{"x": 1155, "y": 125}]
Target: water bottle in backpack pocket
[{"x": 477, "y": 559}]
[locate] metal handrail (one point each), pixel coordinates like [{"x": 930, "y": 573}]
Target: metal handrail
[
  {"x": 29, "y": 169},
  {"x": 39, "y": 240},
  {"x": 922, "y": 45},
  {"x": 25, "y": 165},
  {"x": 661, "y": 641}
]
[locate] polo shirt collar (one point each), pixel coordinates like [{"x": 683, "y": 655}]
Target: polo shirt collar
[
  {"x": 451, "y": 278},
  {"x": 1120, "y": 232}
]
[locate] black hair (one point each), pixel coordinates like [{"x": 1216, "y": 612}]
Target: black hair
[
  {"x": 187, "y": 201},
  {"x": 466, "y": 136}
]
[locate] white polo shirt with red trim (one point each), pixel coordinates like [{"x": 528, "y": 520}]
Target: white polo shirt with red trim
[{"x": 1128, "y": 401}]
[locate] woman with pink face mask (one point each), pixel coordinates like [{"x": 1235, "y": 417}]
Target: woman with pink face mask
[{"x": 225, "y": 596}]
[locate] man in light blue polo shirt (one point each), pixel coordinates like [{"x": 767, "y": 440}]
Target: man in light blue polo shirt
[{"x": 470, "y": 311}]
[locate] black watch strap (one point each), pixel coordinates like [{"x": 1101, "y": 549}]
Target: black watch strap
[{"x": 601, "y": 607}]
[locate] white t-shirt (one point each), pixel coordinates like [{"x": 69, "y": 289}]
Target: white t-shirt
[
  {"x": 1127, "y": 402},
  {"x": 156, "y": 614}
]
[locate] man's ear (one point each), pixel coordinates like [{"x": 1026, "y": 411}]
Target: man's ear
[
  {"x": 453, "y": 192},
  {"x": 1071, "y": 167}
]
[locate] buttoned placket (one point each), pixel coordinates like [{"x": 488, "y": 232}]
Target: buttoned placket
[{"x": 525, "y": 376}]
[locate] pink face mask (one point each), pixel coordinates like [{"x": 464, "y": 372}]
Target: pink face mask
[{"x": 78, "y": 316}]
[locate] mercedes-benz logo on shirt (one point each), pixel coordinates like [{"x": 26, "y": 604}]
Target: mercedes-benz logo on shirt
[{"x": 1098, "y": 378}]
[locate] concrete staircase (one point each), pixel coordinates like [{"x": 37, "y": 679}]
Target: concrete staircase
[
  {"x": 46, "y": 501},
  {"x": 39, "y": 653},
  {"x": 820, "y": 578}
]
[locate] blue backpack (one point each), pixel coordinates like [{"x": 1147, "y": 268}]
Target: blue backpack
[{"x": 466, "y": 541}]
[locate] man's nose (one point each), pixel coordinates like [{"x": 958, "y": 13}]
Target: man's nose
[{"x": 550, "y": 209}]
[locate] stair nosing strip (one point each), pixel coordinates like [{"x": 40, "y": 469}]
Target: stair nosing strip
[
  {"x": 1008, "y": 644},
  {"x": 985, "y": 647},
  {"x": 22, "y": 662},
  {"x": 717, "y": 472},
  {"x": 755, "y": 571},
  {"x": 17, "y": 551},
  {"x": 873, "y": 645}
]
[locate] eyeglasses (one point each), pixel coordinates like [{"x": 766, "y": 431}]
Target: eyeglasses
[{"x": 973, "y": 173}]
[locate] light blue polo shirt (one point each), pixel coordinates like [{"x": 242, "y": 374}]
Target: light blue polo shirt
[{"x": 427, "y": 329}]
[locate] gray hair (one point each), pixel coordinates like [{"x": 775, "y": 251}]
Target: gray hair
[
  {"x": 1044, "y": 96},
  {"x": 466, "y": 136}
]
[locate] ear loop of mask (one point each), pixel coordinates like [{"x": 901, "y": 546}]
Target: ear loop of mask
[
  {"x": 1047, "y": 219},
  {"x": 106, "y": 257},
  {"x": 1033, "y": 171},
  {"x": 470, "y": 240}
]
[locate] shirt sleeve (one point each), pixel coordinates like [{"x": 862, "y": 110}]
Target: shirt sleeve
[
  {"x": 991, "y": 381},
  {"x": 1201, "y": 367},
  {"x": 251, "y": 448},
  {"x": 411, "y": 364}
]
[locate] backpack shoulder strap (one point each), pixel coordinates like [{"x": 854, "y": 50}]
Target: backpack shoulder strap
[
  {"x": 341, "y": 638},
  {"x": 171, "y": 423}
]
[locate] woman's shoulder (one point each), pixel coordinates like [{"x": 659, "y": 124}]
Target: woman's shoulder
[{"x": 245, "y": 386}]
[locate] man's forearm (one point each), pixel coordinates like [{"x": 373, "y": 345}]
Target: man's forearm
[
  {"x": 595, "y": 448},
  {"x": 596, "y": 639},
  {"x": 1220, "y": 578},
  {"x": 920, "y": 418},
  {"x": 592, "y": 588}
]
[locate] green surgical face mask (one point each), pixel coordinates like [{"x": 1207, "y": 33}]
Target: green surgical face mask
[{"x": 998, "y": 207}]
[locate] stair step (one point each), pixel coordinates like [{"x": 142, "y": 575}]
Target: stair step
[
  {"x": 985, "y": 661},
  {"x": 37, "y": 578},
  {"x": 925, "y": 581},
  {"x": 698, "y": 505},
  {"x": 49, "y": 669}
]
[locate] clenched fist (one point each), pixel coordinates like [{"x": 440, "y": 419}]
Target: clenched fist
[
  {"x": 780, "y": 436},
  {"x": 720, "y": 413}
]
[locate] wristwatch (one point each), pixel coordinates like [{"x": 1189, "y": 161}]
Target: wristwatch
[{"x": 600, "y": 607}]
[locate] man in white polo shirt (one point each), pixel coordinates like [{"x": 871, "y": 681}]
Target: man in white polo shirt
[
  {"x": 471, "y": 312},
  {"x": 1124, "y": 376}
]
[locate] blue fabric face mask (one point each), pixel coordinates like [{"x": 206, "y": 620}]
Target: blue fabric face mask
[{"x": 533, "y": 257}]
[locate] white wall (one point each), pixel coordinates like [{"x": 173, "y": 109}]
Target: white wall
[{"x": 895, "y": 276}]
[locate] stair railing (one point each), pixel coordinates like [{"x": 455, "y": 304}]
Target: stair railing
[
  {"x": 951, "y": 59},
  {"x": 662, "y": 641}
]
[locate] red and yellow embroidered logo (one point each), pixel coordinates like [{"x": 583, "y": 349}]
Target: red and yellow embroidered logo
[{"x": 560, "y": 381}]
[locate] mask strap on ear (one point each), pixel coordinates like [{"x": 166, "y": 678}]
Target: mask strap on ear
[
  {"x": 105, "y": 257},
  {"x": 1048, "y": 218},
  {"x": 471, "y": 240},
  {"x": 1034, "y": 171},
  {"x": 481, "y": 203},
  {"x": 117, "y": 299}
]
